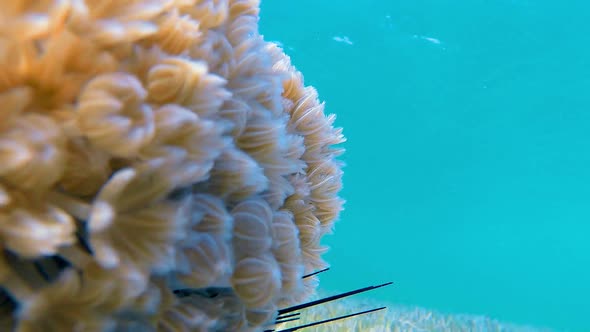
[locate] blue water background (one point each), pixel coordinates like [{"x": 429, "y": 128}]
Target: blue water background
[{"x": 468, "y": 153}]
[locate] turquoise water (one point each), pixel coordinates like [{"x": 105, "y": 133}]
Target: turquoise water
[{"x": 468, "y": 177}]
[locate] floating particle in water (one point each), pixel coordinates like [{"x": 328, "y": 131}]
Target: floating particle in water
[
  {"x": 429, "y": 39},
  {"x": 433, "y": 41},
  {"x": 343, "y": 39}
]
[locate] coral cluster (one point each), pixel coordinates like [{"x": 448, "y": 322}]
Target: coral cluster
[
  {"x": 162, "y": 168},
  {"x": 400, "y": 318}
]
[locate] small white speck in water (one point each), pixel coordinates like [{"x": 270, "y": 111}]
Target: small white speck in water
[
  {"x": 343, "y": 39},
  {"x": 429, "y": 39}
]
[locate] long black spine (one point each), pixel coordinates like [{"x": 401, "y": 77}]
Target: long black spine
[{"x": 329, "y": 298}]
